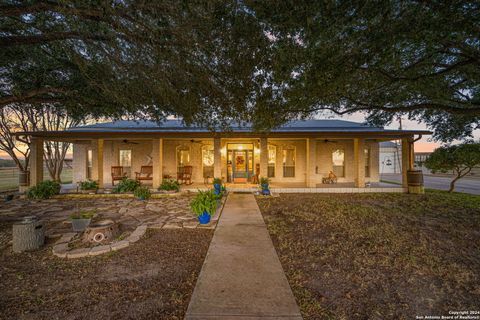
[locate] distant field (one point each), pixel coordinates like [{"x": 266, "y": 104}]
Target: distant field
[{"x": 9, "y": 177}]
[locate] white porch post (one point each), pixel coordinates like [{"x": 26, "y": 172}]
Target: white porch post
[
  {"x": 263, "y": 157},
  {"x": 359, "y": 162},
  {"x": 99, "y": 163},
  {"x": 36, "y": 161},
  {"x": 217, "y": 158},
  {"x": 157, "y": 162},
  {"x": 311, "y": 156}
]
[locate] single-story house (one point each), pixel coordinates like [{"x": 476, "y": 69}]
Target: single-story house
[{"x": 299, "y": 154}]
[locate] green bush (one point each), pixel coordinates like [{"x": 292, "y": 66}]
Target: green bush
[
  {"x": 169, "y": 185},
  {"x": 44, "y": 190},
  {"x": 88, "y": 185},
  {"x": 204, "y": 201},
  {"x": 142, "y": 193},
  {"x": 126, "y": 185},
  {"x": 264, "y": 180},
  {"x": 217, "y": 181},
  {"x": 83, "y": 215}
]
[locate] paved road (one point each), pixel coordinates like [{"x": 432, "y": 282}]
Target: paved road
[
  {"x": 465, "y": 185},
  {"x": 242, "y": 277}
]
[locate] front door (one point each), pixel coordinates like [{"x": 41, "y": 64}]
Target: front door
[{"x": 240, "y": 166}]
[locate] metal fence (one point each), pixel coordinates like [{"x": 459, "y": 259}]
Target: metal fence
[{"x": 9, "y": 177}]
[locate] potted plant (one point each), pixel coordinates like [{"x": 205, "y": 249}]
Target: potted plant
[
  {"x": 217, "y": 185},
  {"x": 126, "y": 185},
  {"x": 142, "y": 193},
  {"x": 204, "y": 205},
  {"x": 81, "y": 220},
  {"x": 169, "y": 185},
  {"x": 264, "y": 184},
  {"x": 89, "y": 186}
]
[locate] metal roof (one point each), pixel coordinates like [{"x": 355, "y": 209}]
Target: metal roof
[{"x": 179, "y": 126}]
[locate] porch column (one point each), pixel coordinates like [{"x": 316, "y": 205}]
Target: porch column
[
  {"x": 311, "y": 163},
  {"x": 36, "y": 161},
  {"x": 407, "y": 163},
  {"x": 359, "y": 162},
  {"x": 99, "y": 164},
  {"x": 217, "y": 158},
  {"x": 157, "y": 162},
  {"x": 263, "y": 157}
]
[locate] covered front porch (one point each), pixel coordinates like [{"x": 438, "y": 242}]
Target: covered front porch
[{"x": 293, "y": 161}]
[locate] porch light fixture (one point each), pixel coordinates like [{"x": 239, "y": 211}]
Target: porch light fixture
[{"x": 240, "y": 147}]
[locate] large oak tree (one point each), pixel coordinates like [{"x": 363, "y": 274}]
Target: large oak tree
[{"x": 261, "y": 61}]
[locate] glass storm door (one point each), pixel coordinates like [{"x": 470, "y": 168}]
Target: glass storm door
[{"x": 240, "y": 166}]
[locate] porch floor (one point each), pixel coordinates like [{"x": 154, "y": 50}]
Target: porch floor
[{"x": 286, "y": 187}]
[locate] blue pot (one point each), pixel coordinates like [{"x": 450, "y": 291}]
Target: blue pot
[
  {"x": 264, "y": 186},
  {"x": 217, "y": 188},
  {"x": 204, "y": 218},
  {"x": 265, "y": 192}
]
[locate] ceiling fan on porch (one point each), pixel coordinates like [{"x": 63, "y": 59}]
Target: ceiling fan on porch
[
  {"x": 330, "y": 141},
  {"x": 129, "y": 142}
]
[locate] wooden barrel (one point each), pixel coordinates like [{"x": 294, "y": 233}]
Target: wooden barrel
[
  {"x": 23, "y": 178},
  {"x": 415, "y": 178}
]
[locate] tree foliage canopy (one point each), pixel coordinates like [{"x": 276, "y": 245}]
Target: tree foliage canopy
[
  {"x": 260, "y": 61},
  {"x": 460, "y": 159}
]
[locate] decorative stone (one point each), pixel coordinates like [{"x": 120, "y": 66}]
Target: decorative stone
[
  {"x": 95, "y": 251},
  {"x": 190, "y": 224},
  {"x": 119, "y": 245},
  {"x": 78, "y": 253},
  {"x": 66, "y": 237},
  {"x": 60, "y": 250},
  {"x": 123, "y": 210},
  {"x": 171, "y": 225},
  {"x": 133, "y": 239},
  {"x": 156, "y": 226}
]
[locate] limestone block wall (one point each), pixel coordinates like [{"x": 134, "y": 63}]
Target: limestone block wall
[{"x": 142, "y": 149}]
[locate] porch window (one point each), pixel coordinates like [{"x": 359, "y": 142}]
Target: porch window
[
  {"x": 183, "y": 158},
  {"x": 289, "y": 163},
  {"x": 272, "y": 157},
  {"x": 207, "y": 161},
  {"x": 338, "y": 160},
  {"x": 367, "y": 162},
  {"x": 125, "y": 160},
  {"x": 89, "y": 164}
]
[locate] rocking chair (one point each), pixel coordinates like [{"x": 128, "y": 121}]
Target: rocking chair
[
  {"x": 117, "y": 174},
  {"x": 145, "y": 173}
]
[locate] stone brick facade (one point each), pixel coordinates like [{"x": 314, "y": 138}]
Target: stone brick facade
[{"x": 141, "y": 153}]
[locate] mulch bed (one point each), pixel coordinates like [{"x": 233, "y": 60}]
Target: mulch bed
[
  {"x": 378, "y": 256},
  {"x": 152, "y": 279}
]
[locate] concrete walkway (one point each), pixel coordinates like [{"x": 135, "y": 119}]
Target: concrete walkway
[{"x": 242, "y": 277}]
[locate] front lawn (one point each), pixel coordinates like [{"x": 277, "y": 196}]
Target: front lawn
[
  {"x": 378, "y": 256},
  {"x": 151, "y": 279}
]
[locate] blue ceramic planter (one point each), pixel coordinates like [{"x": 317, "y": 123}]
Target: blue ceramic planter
[
  {"x": 217, "y": 188},
  {"x": 266, "y": 192},
  {"x": 204, "y": 218}
]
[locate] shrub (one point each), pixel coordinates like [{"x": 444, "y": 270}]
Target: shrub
[
  {"x": 264, "y": 180},
  {"x": 204, "y": 201},
  {"x": 126, "y": 185},
  {"x": 142, "y": 193},
  {"x": 217, "y": 181},
  {"x": 83, "y": 215},
  {"x": 88, "y": 185},
  {"x": 44, "y": 190},
  {"x": 169, "y": 185}
]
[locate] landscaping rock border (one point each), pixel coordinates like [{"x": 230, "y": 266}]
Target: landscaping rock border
[{"x": 60, "y": 249}]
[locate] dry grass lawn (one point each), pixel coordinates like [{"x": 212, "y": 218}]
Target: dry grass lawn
[{"x": 378, "y": 256}]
